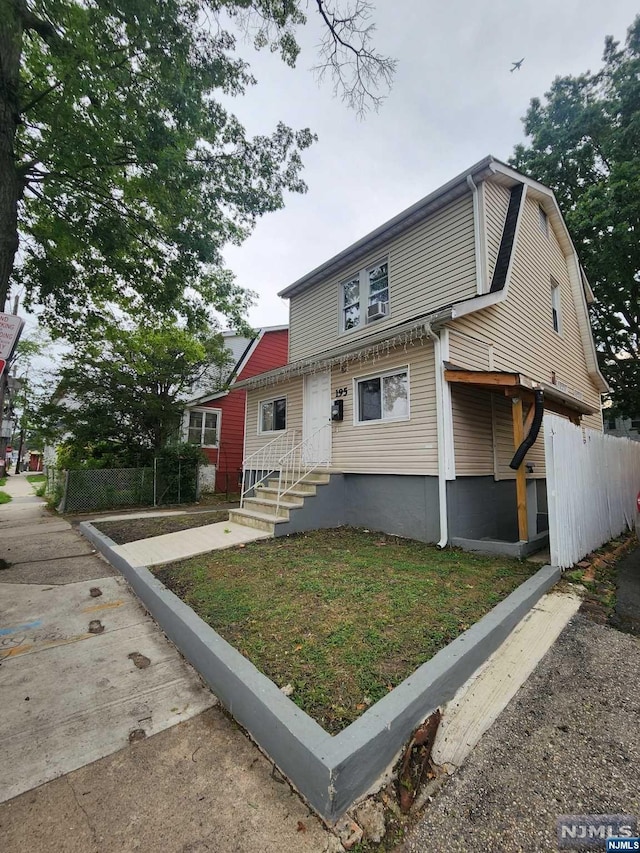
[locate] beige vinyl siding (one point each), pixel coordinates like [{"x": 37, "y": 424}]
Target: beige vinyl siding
[
  {"x": 468, "y": 352},
  {"x": 504, "y": 447},
  {"x": 593, "y": 422},
  {"x": 520, "y": 328},
  {"x": 496, "y": 206},
  {"x": 399, "y": 447},
  {"x": 430, "y": 266},
  {"x": 472, "y": 432},
  {"x": 292, "y": 390}
]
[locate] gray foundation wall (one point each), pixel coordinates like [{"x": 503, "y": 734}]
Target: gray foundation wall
[
  {"x": 483, "y": 508},
  {"x": 399, "y": 505},
  {"x": 395, "y": 504}
]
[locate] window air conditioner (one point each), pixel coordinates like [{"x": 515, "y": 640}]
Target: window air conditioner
[{"x": 377, "y": 310}]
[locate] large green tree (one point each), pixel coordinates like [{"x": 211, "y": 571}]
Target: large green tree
[
  {"x": 584, "y": 142},
  {"x": 122, "y": 175},
  {"x": 119, "y": 401}
]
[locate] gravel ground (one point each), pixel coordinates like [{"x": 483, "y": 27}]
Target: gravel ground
[{"x": 568, "y": 743}]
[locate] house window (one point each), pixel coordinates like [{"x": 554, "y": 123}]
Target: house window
[
  {"x": 635, "y": 423},
  {"x": 203, "y": 428},
  {"x": 364, "y": 298},
  {"x": 383, "y": 398},
  {"x": 543, "y": 221},
  {"x": 273, "y": 415},
  {"x": 555, "y": 307}
]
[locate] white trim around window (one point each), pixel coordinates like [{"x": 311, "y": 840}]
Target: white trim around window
[
  {"x": 272, "y": 412},
  {"x": 364, "y": 288},
  {"x": 205, "y": 426},
  {"x": 378, "y": 397}
]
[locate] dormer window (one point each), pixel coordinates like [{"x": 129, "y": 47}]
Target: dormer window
[{"x": 364, "y": 297}]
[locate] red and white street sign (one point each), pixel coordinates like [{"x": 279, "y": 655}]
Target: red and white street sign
[
  {"x": 3, "y": 364},
  {"x": 10, "y": 330}
]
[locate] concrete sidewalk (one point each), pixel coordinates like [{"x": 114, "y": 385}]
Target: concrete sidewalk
[
  {"x": 110, "y": 741},
  {"x": 188, "y": 543}
]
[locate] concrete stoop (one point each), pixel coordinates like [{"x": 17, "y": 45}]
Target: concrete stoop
[{"x": 264, "y": 512}]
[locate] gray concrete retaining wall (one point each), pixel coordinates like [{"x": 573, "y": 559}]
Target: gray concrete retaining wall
[{"x": 330, "y": 772}]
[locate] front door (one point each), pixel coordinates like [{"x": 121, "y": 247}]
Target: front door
[{"x": 317, "y": 413}]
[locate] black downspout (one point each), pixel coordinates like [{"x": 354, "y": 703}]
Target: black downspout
[{"x": 521, "y": 452}]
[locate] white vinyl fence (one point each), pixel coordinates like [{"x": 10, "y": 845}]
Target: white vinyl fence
[{"x": 592, "y": 483}]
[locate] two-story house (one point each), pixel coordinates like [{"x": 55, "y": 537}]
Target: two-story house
[
  {"x": 421, "y": 359},
  {"x": 215, "y": 420}
]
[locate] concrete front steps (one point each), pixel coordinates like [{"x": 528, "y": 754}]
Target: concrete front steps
[{"x": 262, "y": 512}]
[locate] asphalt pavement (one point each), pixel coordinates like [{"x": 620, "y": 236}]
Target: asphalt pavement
[{"x": 567, "y": 744}]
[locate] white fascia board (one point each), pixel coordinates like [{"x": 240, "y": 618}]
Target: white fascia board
[{"x": 460, "y": 309}]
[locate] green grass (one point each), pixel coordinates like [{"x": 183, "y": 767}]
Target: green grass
[
  {"x": 342, "y": 615},
  {"x": 5, "y": 498},
  {"x": 36, "y": 478}
]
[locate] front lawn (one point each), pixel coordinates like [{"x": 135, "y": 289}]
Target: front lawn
[
  {"x": 4, "y": 498},
  {"x": 36, "y": 478},
  {"x": 342, "y": 616}
]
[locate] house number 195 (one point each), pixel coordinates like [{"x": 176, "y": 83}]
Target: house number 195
[{"x": 341, "y": 392}]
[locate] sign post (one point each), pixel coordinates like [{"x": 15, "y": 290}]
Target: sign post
[{"x": 10, "y": 330}]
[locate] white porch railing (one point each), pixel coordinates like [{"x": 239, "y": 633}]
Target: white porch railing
[
  {"x": 312, "y": 453},
  {"x": 265, "y": 461}
]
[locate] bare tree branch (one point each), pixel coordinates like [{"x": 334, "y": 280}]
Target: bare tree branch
[{"x": 361, "y": 76}]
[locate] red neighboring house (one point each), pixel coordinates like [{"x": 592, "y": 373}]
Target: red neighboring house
[{"x": 216, "y": 421}]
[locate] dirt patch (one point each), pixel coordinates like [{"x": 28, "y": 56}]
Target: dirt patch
[
  {"x": 133, "y": 529},
  {"x": 96, "y": 626},
  {"x": 340, "y": 617},
  {"x": 4, "y": 564}
]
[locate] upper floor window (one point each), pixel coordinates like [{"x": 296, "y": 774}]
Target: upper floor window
[
  {"x": 383, "y": 398},
  {"x": 556, "y": 313},
  {"x": 543, "y": 220},
  {"x": 273, "y": 415},
  {"x": 203, "y": 428},
  {"x": 365, "y": 296}
]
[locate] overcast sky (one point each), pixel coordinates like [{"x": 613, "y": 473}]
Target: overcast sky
[{"x": 453, "y": 101}]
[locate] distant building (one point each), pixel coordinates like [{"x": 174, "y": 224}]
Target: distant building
[{"x": 622, "y": 427}]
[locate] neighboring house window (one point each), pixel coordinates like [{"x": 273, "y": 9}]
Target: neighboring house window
[
  {"x": 365, "y": 296},
  {"x": 273, "y": 415},
  {"x": 635, "y": 423},
  {"x": 555, "y": 306},
  {"x": 543, "y": 220},
  {"x": 384, "y": 397},
  {"x": 611, "y": 423},
  {"x": 203, "y": 428}
]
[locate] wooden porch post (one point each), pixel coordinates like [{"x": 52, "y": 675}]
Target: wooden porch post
[{"x": 521, "y": 473}]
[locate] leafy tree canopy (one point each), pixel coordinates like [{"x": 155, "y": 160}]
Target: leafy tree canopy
[
  {"x": 585, "y": 144},
  {"x": 120, "y": 167},
  {"x": 120, "y": 401}
]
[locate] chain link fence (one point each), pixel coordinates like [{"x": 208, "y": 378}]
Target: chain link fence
[{"x": 89, "y": 489}]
